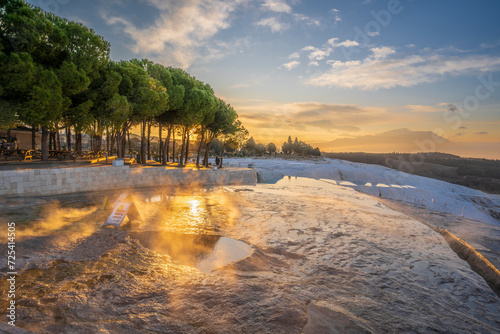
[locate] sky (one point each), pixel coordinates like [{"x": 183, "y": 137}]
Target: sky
[{"x": 321, "y": 70}]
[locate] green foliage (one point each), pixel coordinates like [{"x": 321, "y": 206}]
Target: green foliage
[
  {"x": 44, "y": 101},
  {"x": 54, "y": 73},
  {"x": 47, "y": 62},
  {"x": 299, "y": 148},
  {"x": 260, "y": 149},
  {"x": 216, "y": 147},
  {"x": 235, "y": 136},
  {"x": 223, "y": 121},
  {"x": 250, "y": 145},
  {"x": 271, "y": 148},
  {"x": 254, "y": 149},
  {"x": 109, "y": 108}
]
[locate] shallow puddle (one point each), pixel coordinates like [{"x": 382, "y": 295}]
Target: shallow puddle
[
  {"x": 204, "y": 252},
  {"x": 305, "y": 182}
]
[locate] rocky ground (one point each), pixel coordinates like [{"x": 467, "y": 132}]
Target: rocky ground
[
  {"x": 325, "y": 259},
  {"x": 484, "y": 237}
]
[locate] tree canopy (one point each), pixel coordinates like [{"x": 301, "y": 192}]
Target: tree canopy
[
  {"x": 56, "y": 74},
  {"x": 299, "y": 147},
  {"x": 45, "y": 61}
]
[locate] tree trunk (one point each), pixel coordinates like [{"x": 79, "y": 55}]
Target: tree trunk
[
  {"x": 199, "y": 148},
  {"x": 58, "y": 140},
  {"x": 107, "y": 141},
  {"x": 164, "y": 158},
  {"x": 160, "y": 142},
  {"x": 183, "y": 147},
  {"x": 33, "y": 137},
  {"x": 118, "y": 151},
  {"x": 120, "y": 142},
  {"x": 173, "y": 145},
  {"x": 143, "y": 142},
  {"x": 45, "y": 146},
  {"x": 186, "y": 156},
  {"x": 68, "y": 137},
  {"x": 124, "y": 144},
  {"x": 167, "y": 145},
  {"x": 95, "y": 143},
  {"x": 78, "y": 142},
  {"x": 129, "y": 144},
  {"x": 207, "y": 152},
  {"x": 50, "y": 140},
  {"x": 149, "y": 140},
  {"x": 222, "y": 155},
  {"x": 112, "y": 143}
]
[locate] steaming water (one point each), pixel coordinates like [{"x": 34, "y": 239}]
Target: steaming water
[
  {"x": 204, "y": 252},
  {"x": 322, "y": 255}
]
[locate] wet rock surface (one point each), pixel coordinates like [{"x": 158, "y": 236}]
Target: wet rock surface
[{"x": 325, "y": 259}]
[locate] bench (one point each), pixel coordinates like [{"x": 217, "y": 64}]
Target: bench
[
  {"x": 6, "y": 153},
  {"x": 25, "y": 155}
]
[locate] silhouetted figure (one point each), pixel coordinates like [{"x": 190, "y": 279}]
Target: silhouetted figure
[{"x": 217, "y": 160}]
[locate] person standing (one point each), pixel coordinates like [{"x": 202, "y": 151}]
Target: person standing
[{"x": 15, "y": 143}]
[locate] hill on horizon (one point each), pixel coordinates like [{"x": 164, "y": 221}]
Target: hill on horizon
[{"x": 408, "y": 141}]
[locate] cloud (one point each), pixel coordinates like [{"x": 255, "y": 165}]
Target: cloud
[
  {"x": 347, "y": 43},
  {"x": 298, "y": 126},
  {"x": 307, "y": 20},
  {"x": 452, "y": 107},
  {"x": 383, "y": 69},
  {"x": 328, "y": 125},
  {"x": 291, "y": 65},
  {"x": 279, "y": 6},
  {"x": 332, "y": 116},
  {"x": 382, "y": 52},
  {"x": 481, "y": 133},
  {"x": 490, "y": 45},
  {"x": 317, "y": 54},
  {"x": 283, "y": 8},
  {"x": 182, "y": 33},
  {"x": 336, "y": 16},
  {"x": 273, "y": 24},
  {"x": 310, "y": 116},
  {"x": 308, "y": 48},
  {"x": 424, "y": 108}
]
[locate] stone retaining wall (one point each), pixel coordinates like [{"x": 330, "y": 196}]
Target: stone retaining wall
[{"x": 57, "y": 181}]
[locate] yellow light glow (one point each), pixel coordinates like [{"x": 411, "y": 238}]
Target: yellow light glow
[{"x": 195, "y": 205}]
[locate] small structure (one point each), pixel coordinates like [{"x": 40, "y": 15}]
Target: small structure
[{"x": 124, "y": 206}]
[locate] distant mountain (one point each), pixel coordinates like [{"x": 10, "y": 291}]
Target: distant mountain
[
  {"x": 154, "y": 137},
  {"x": 407, "y": 141}
]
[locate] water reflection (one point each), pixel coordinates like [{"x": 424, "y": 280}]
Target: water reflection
[
  {"x": 205, "y": 252},
  {"x": 154, "y": 199},
  {"x": 195, "y": 212}
]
